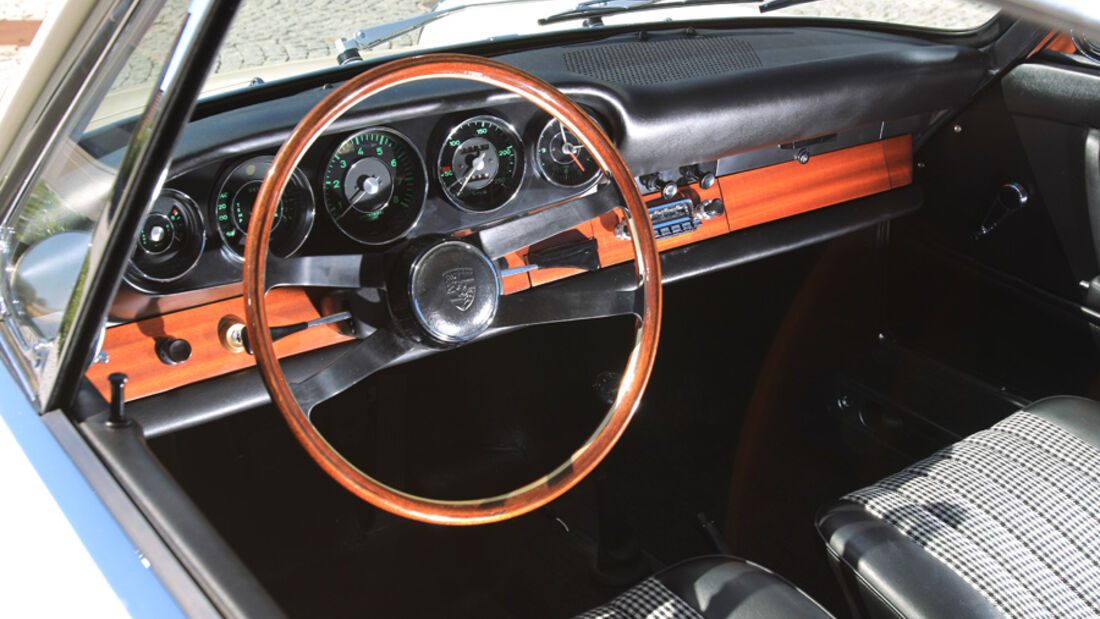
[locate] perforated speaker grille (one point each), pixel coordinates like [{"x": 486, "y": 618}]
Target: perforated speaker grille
[{"x": 645, "y": 63}]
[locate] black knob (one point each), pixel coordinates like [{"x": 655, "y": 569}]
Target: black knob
[
  {"x": 173, "y": 351},
  {"x": 117, "y": 416}
]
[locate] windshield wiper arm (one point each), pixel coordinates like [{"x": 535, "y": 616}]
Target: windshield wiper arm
[
  {"x": 586, "y": 10},
  {"x": 369, "y": 38}
]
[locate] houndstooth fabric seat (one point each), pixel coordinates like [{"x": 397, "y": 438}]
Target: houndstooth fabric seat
[
  {"x": 710, "y": 588},
  {"x": 1004, "y": 522}
]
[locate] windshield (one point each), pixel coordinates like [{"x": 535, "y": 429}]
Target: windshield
[{"x": 270, "y": 39}]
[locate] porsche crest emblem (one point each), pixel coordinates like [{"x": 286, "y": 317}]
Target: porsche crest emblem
[{"x": 461, "y": 287}]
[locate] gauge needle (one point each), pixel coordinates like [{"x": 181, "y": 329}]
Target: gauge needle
[
  {"x": 576, "y": 161},
  {"x": 477, "y": 164}
]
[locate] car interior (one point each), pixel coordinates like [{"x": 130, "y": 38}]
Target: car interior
[{"x": 874, "y": 242}]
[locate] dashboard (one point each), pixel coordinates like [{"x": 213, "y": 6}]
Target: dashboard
[
  {"x": 733, "y": 155},
  {"x": 363, "y": 189}
]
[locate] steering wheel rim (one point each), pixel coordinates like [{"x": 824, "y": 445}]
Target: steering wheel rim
[{"x": 647, "y": 269}]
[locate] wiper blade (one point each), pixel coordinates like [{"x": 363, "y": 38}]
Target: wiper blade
[
  {"x": 601, "y": 8},
  {"x": 775, "y": 5},
  {"x": 598, "y": 8}
]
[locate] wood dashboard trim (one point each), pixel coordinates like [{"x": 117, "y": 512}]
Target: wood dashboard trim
[
  {"x": 751, "y": 198},
  {"x": 131, "y": 348}
]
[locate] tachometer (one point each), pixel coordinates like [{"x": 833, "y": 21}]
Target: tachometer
[
  {"x": 236, "y": 196},
  {"x": 481, "y": 164},
  {"x": 374, "y": 186},
  {"x": 171, "y": 239},
  {"x": 562, "y": 159}
]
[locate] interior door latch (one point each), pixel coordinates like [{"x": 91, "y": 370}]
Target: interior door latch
[{"x": 1011, "y": 197}]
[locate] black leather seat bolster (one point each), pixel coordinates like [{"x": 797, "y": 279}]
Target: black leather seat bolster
[
  {"x": 881, "y": 569},
  {"x": 1078, "y": 416},
  {"x": 727, "y": 588},
  {"x": 887, "y": 574}
]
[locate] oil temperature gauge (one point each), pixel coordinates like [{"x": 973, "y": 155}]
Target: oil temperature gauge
[
  {"x": 237, "y": 195},
  {"x": 562, "y": 159},
  {"x": 171, "y": 239}
]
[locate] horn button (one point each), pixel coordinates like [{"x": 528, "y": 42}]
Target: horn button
[{"x": 454, "y": 291}]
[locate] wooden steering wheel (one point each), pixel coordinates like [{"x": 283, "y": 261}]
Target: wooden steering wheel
[{"x": 425, "y": 271}]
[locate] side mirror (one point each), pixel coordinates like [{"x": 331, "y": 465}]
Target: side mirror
[{"x": 45, "y": 276}]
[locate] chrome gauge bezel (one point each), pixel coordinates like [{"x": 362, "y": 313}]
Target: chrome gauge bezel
[
  {"x": 1085, "y": 46},
  {"x": 546, "y": 175},
  {"x": 305, "y": 219},
  {"x": 135, "y": 275},
  {"x": 521, "y": 160},
  {"x": 421, "y": 197}
]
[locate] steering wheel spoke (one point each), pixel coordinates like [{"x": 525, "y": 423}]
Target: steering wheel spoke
[
  {"x": 367, "y": 356},
  {"x": 335, "y": 271},
  {"x": 509, "y": 236},
  {"x": 548, "y": 305}
]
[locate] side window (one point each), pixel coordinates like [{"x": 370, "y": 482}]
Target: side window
[{"x": 46, "y": 235}]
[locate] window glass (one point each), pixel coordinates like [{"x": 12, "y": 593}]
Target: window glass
[{"x": 46, "y": 238}]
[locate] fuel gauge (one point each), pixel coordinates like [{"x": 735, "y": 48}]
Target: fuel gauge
[{"x": 171, "y": 239}]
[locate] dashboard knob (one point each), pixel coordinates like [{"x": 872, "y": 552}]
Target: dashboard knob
[
  {"x": 173, "y": 351},
  {"x": 707, "y": 181},
  {"x": 669, "y": 190},
  {"x": 650, "y": 183},
  {"x": 710, "y": 209},
  {"x": 1012, "y": 196}
]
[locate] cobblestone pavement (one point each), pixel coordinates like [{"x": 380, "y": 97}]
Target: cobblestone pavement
[{"x": 308, "y": 29}]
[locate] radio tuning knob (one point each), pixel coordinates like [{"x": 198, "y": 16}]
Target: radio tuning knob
[
  {"x": 707, "y": 181},
  {"x": 669, "y": 190}
]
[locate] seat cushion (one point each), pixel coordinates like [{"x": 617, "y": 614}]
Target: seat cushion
[
  {"x": 710, "y": 587},
  {"x": 1006, "y": 521}
]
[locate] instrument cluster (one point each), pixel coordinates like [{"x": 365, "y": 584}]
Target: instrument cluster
[{"x": 374, "y": 186}]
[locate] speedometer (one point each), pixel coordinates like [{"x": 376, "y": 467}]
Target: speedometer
[
  {"x": 481, "y": 164},
  {"x": 374, "y": 186}
]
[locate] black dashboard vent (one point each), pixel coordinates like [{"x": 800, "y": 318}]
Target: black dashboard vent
[{"x": 645, "y": 63}]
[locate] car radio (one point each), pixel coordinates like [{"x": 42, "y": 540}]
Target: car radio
[{"x": 677, "y": 217}]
